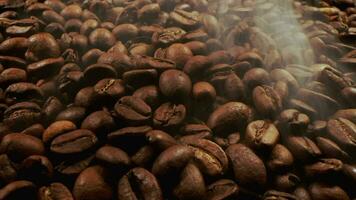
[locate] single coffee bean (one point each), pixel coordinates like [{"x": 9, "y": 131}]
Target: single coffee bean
[
  {"x": 261, "y": 134},
  {"x": 179, "y": 53},
  {"x": 230, "y": 117},
  {"x": 55, "y": 191},
  {"x": 41, "y": 46},
  {"x": 169, "y": 115},
  {"x": 247, "y": 166},
  {"x": 139, "y": 182},
  {"x": 175, "y": 84},
  {"x": 18, "y": 189},
  {"x": 113, "y": 156},
  {"x": 266, "y": 100},
  {"x": 19, "y": 146},
  {"x": 280, "y": 158},
  {"x": 319, "y": 191},
  {"x": 92, "y": 184},
  {"x": 190, "y": 174},
  {"x": 222, "y": 189},
  {"x": 343, "y": 132},
  {"x": 303, "y": 148},
  {"x": 133, "y": 110},
  {"x": 72, "y": 142}
]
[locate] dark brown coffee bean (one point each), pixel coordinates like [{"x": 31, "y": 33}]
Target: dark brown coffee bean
[
  {"x": 41, "y": 46},
  {"x": 12, "y": 75},
  {"x": 303, "y": 148},
  {"x": 139, "y": 183},
  {"x": 330, "y": 149},
  {"x": 113, "y": 156},
  {"x": 97, "y": 72},
  {"x": 168, "y": 36},
  {"x": 349, "y": 114},
  {"x": 256, "y": 77},
  {"x": 14, "y": 46},
  {"x": 74, "y": 114},
  {"x": 45, "y": 68},
  {"x": 261, "y": 134},
  {"x": 133, "y": 110},
  {"x": 35, "y": 130},
  {"x": 74, "y": 142},
  {"x": 23, "y": 91},
  {"x": 19, "y": 146},
  {"x": 266, "y": 100},
  {"x": 73, "y": 167},
  {"x": 125, "y": 32},
  {"x": 72, "y": 11},
  {"x": 55, "y": 191},
  {"x": 149, "y": 94},
  {"x": 175, "y": 157},
  {"x": 175, "y": 84},
  {"x": 92, "y": 184},
  {"x": 140, "y": 77},
  {"x": 99, "y": 122},
  {"x": 8, "y": 172},
  {"x": 185, "y": 19},
  {"x": 222, "y": 189},
  {"x": 280, "y": 158},
  {"x": 169, "y": 115},
  {"x": 208, "y": 156},
  {"x": 319, "y": 191},
  {"x": 37, "y": 168},
  {"x": 230, "y": 117},
  {"x": 160, "y": 140},
  {"x": 18, "y": 190},
  {"x": 22, "y": 115},
  {"x": 179, "y": 53},
  {"x": 247, "y": 166},
  {"x": 57, "y": 128},
  {"x": 273, "y": 194},
  {"x": 196, "y": 190},
  {"x": 343, "y": 132},
  {"x": 302, "y": 193},
  {"x": 292, "y": 121},
  {"x": 102, "y": 39},
  {"x": 323, "y": 168}
]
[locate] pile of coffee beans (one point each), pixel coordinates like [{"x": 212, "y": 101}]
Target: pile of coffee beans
[{"x": 177, "y": 99}]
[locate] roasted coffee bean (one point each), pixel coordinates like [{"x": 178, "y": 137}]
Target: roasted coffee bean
[
  {"x": 18, "y": 189},
  {"x": 179, "y": 53},
  {"x": 22, "y": 115},
  {"x": 56, "y": 191},
  {"x": 113, "y": 156},
  {"x": 266, "y": 100},
  {"x": 19, "y": 146},
  {"x": 261, "y": 134},
  {"x": 175, "y": 84},
  {"x": 8, "y": 172},
  {"x": 37, "y": 168},
  {"x": 230, "y": 117},
  {"x": 324, "y": 191},
  {"x": 343, "y": 132},
  {"x": 139, "y": 183},
  {"x": 92, "y": 184},
  {"x": 72, "y": 142},
  {"x": 247, "y": 166},
  {"x": 41, "y": 46},
  {"x": 133, "y": 110},
  {"x": 303, "y": 148},
  {"x": 222, "y": 189},
  {"x": 170, "y": 99},
  {"x": 169, "y": 115}
]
